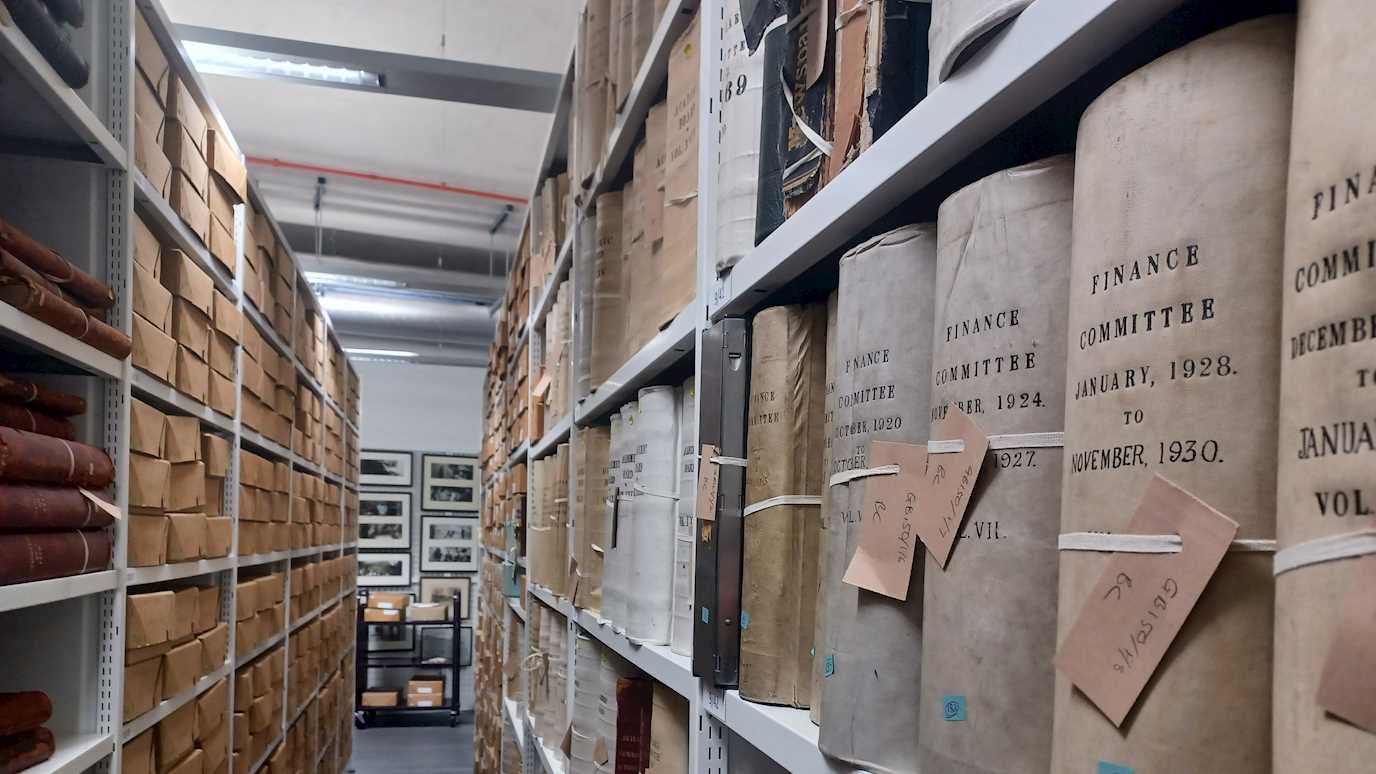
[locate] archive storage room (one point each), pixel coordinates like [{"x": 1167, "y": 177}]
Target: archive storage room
[{"x": 687, "y": 386}]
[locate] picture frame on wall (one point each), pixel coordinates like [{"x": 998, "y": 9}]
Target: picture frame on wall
[
  {"x": 448, "y": 544},
  {"x": 384, "y": 468},
  {"x": 384, "y": 569},
  {"x": 449, "y": 483},
  {"x": 455, "y": 590},
  {"x": 384, "y": 519}
]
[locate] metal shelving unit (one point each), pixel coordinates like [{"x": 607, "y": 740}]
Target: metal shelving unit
[{"x": 74, "y": 149}]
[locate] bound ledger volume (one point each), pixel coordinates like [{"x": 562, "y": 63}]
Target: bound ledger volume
[
  {"x": 34, "y": 507},
  {"x": 678, "y": 264},
  {"x": 1326, "y": 487},
  {"x": 613, "y": 599},
  {"x": 35, "y": 556},
  {"x": 810, "y": 73},
  {"x": 740, "y": 84},
  {"x": 1173, "y": 370},
  {"x": 41, "y": 459},
  {"x": 961, "y": 27},
  {"x": 681, "y": 638},
  {"x": 819, "y": 624},
  {"x": 591, "y": 446},
  {"x": 784, "y": 454},
  {"x": 608, "y": 319},
  {"x": 656, "y": 514},
  {"x": 593, "y": 83},
  {"x": 1003, "y": 276},
  {"x": 870, "y": 655},
  {"x": 587, "y": 678}
]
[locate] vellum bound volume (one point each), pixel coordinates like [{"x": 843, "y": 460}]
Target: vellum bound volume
[
  {"x": 678, "y": 261},
  {"x": 681, "y": 638},
  {"x": 819, "y": 624},
  {"x": 1173, "y": 369},
  {"x": 593, "y": 86},
  {"x": 989, "y": 618},
  {"x": 1325, "y": 491},
  {"x": 656, "y": 517},
  {"x": 591, "y": 446},
  {"x": 646, "y": 298},
  {"x": 784, "y": 448},
  {"x": 608, "y": 301},
  {"x": 584, "y": 269},
  {"x": 958, "y": 29},
  {"x": 741, "y": 75},
  {"x": 870, "y": 654},
  {"x": 587, "y": 684},
  {"x": 615, "y": 604},
  {"x": 557, "y": 552}
]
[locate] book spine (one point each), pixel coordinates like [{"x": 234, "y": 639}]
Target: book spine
[
  {"x": 35, "y": 507},
  {"x": 634, "y": 705},
  {"x": 26, "y": 750},
  {"x": 21, "y": 418},
  {"x": 37, "y": 396},
  {"x": 35, "y": 556},
  {"x": 28, "y": 456},
  {"x": 23, "y": 711},
  {"x": 59, "y": 270}
]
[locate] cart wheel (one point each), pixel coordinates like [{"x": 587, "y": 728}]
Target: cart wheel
[
  {"x": 359, "y": 721},
  {"x": 453, "y": 720}
]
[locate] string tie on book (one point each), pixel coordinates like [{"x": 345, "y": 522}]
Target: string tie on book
[
  {"x": 739, "y": 462},
  {"x": 1348, "y": 545},
  {"x": 1148, "y": 544},
  {"x": 847, "y": 476},
  {"x": 813, "y": 136},
  {"x": 843, "y": 17},
  {"x": 774, "y": 502},
  {"x": 655, "y": 492},
  {"x": 680, "y": 200},
  {"x": 1008, "y": 441},
  {"x": 86, "y": 552}
]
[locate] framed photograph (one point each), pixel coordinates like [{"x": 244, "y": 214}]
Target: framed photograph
[
  {"x": 449, "y": 483},
  {"x": 391, "y": 637},
  {"x": 389, "y": 569},
  {"x": 448, "y": 544},
  {"x": 384, "y": 520},
  {"x": 384, "y": 468},
  {"x": 452, "y": 590}
]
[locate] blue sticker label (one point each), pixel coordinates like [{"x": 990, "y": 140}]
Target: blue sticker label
[
  {"x": 953, "y": 707},
  {"x": 745, "y": 620},
  {"x": 829, "y": 666},
  {"x": 706, "y": 616},
  {"x": 1113, "y": 768}
]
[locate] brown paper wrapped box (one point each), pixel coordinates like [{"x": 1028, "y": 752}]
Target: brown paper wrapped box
[
  {"x": 1322, "y": 391},
  {"x": 784, "y": 446},
  {"x": 1144, "y": 198},
  {"x": 1003, "y": 274},
  {"x": 869, "y": 655}
]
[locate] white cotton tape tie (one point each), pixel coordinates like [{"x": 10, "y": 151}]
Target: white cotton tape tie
[
  {"x": 655, "y": 493},
  {"x": 774, "y": 502},
  {"x": 86, "y": 549},
  {"x": 71, "y": 460},
  {"x": 738, "y": 462},
  {"x": 1148, "y": 544},
  {"x": 598, "y": 549},
  {"x": 1010, "y": 441},
  {"x": 843, "y": 18},
  {"x": 818, "y": 141},
  {"x": 681, "y": 200},
  {"x": 1348, "y": 545},
  {"x": 847, "y": 476},
  {"x": 561, "y": 499}
]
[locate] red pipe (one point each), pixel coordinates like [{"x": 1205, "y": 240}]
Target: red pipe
[{"x": 316, "y": 168}]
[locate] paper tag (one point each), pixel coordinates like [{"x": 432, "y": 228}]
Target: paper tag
[
  {"x": 385, "y": 606},
  {"x": 883, "y": 562},
  {"x": 103, "y": 505},
  {"x": 709, "y": 477},
  {"x": 945, "y": 493},
  {"x": 542, "y": 387},
  {"x": 1141, "y": 601},
  {"x": 1347, "y": 687},
  {"x": 599, "y": 752},
  {"x": 425, "y": 690},
  {"x": 566, "y": 746}
]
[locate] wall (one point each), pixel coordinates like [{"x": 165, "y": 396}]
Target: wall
[{"x": 421, "y": 408}]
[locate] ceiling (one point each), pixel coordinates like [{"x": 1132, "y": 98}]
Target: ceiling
[{"x": 458, "y": 161}]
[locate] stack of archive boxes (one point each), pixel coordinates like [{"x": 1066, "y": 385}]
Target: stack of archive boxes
[
  {"x": 269, "y": 387},
  {"x": 259, "y": 612},
  {"x": 269, "y": 273},
  {"x": 263, "y": 502},
  {"x": 176, "y": 489},
  {"x": 257, "y": 706}
]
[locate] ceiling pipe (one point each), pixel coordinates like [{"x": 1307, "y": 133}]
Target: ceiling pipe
[{"x": 388, "y": 179}]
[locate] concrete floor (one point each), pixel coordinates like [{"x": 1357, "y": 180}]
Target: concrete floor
[{"x": 435, "y": 749}]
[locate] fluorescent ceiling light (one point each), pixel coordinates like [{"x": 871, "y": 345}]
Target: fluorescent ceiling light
[
  {"x": 380, "y": 352},
  {"x": 325, "y": 278},
  {"x": 246, "y": 63}
]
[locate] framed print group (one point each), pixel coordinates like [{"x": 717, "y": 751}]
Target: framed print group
[
  {"x": 454, "y": 590},
  {"x": 448, "y": 544},
  {"x": 384, "y": 520},
  {"x": 449, "y": 483},
  {"x": 385, "y": 569},
  {"x": 384, "y": 468}
]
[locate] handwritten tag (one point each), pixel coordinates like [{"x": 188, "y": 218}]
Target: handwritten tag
[
  {"x": 1347, "y": 687},
  {"x": 949, "y": 481},
  {"x": 709, "y": 477},
  {"x": 103, "y": 505},
  {"x": 883, "y": 562},
  {"x": 1141, "y": 601},
  {"x": 542, "y": 387}
]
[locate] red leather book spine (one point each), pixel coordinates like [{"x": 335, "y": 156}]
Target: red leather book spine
[
  {"x": 26, "y": 750},
  {"x": 21, "y": 418},
  {"x": 31, "y": 298},
  {"x": 32, "y": 457},
  {"x": 634, "y": 703},
  {"x": 39, "y": 397},
  {"x": 35, "y": 556},
  {"x": 59, "y": 270},
  {"x": 23, "y": 711},
  {"x": 40, "y": 507}
]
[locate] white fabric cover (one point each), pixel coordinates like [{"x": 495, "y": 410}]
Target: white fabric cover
[
  {"x": 613, "y": 583},
  {"x": 656, "y": 514},
  {"x": 738, "y": 143},
  {"x": 681, "y": 638}
]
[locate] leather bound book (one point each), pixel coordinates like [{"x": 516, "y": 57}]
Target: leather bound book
[
  {"x": 23, "y": 711},
  {"x": 28, "y": 456},
  {"x": 810, "y": 70},
  {"x": 32, "y": 299},
  {"x": 634, "y": 712},
  {"x": 21, "y": 418},
  {"x": 40, "y": 398},
  {"x": 26, "y": 750},
  {"x": 1327, "y": 390},
  {"x": 88, "y": 290},
  {"x": 35, "y": 556},
  {"x": 776, "y": 119},
  {"x": 36, "y": 507}
]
